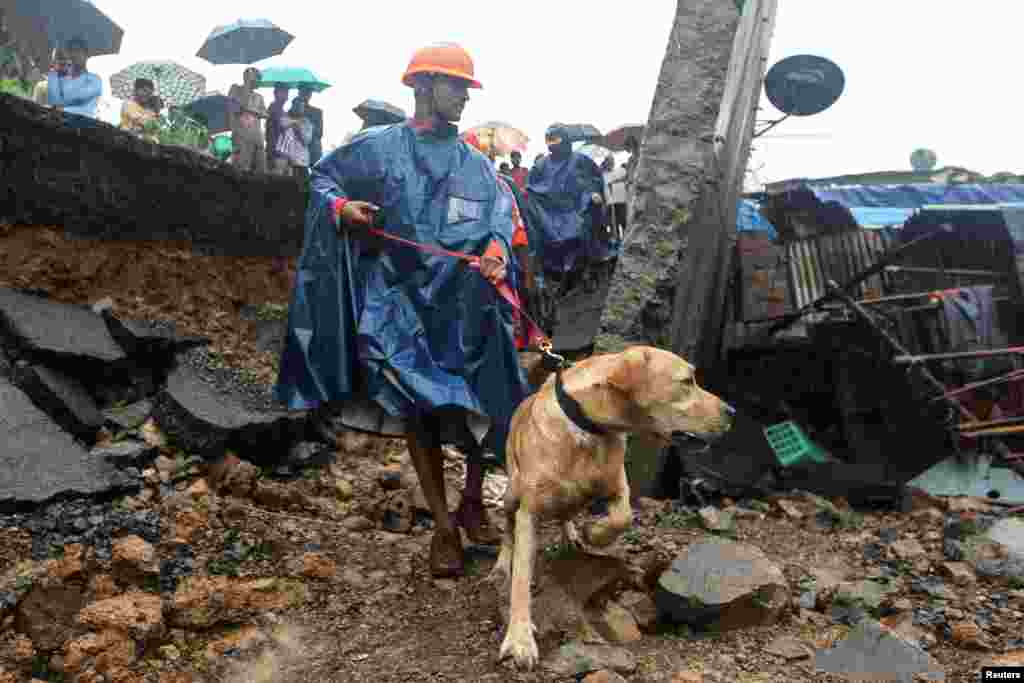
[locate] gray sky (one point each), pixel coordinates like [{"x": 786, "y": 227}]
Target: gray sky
[{"x": 919, "y": 72}]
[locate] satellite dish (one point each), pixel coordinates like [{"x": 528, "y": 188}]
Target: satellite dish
[
  {"x": 923, "y": 160},
  {"x": 803, "y": 85}
]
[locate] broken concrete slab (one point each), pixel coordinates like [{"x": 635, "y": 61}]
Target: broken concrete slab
[
  {"x": 61, "y": 397},
  {"x": 147, "y": 336},
  {"x": 872, "y": 652},
  {"x": 34, "y": 323},
  {"x": 39, "y": 461},
  {"x": 130, "y": 416},
  {"x": 721, "y": 583},
  {"x": 127, "y": 453},
  {"x": 204, "y": 420}
]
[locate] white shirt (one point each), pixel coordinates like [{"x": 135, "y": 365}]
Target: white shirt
[{"x": 616, "y": 182}]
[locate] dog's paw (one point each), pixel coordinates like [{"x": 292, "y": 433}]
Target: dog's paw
[{"x": 520, "y": 645}]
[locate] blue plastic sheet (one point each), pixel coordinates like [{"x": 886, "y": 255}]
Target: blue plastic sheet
[
  {"x": 918, "y": 195},
  {"x": 560, "y": 188},
  {"x": 412, "y": 332},
  {"x": 749, "y": 219}
]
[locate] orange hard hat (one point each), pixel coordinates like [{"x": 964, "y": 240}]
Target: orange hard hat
[{"x": 441, "y": 58}]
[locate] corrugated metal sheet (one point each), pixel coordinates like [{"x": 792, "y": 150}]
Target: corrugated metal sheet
[{"x": 813, "y": 262}]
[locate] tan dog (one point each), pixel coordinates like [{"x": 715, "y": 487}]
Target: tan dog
[{"x": 558, "y": 460}]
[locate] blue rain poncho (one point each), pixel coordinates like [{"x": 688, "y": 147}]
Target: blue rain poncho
[
  {"x": 560, "y": 188},
  {"x": 391, "y": 332}
]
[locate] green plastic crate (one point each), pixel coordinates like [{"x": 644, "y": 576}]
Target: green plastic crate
[{"x": 791, "y": 445}]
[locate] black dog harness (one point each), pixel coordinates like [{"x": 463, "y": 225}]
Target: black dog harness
[{"x": 573, "y": 410}]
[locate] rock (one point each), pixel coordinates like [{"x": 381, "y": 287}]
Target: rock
[
  {"x": 69, "y": 565},
  {"x": 127, "y": 453},
  {"x": 968, "y": 635},
  {"x": 908, "y": 549},
  {"x": 903, "y": 625},
  {"x": 933, "y": 586},
  {"x": 1015, "y": 658},
  {"x": 616, "y": 624},
  {"x": 574, "y": 659},
  {"x": 130, "y": 416},
  {"x": 643, "y": 609},
  {"x": 604, "y": 676},
  {"x": 137, "y": 614},
  {"x": 142, "y": 337},
  {"x": 344, "y": 490},
  {"x": 960, "y": 573},
  {"x": 103, "y": 586},
  {"x": 318, "y": 566},
  {"x": 169, "y": 652},
  {"x": 201, "y": 602},
  {"x": 357, "y": 523},
  {"x": 202, "y": 419},
  {"x": 33, "y": 323},
  {"x": 789, "y": 648},
  {"x": 103, "y": 651},
  {"x": 40, "y": 461},
  {"x": 716, "y": 520},
  {"x": 789, "y": 508},
  {"x": 395, "y": 512},
  {"x": 872, "y": 651},
  {"x": 63, "y": 398},
  {"x": 24, "y": 650},
  {"x": 867, "y": 594},
  {"x": 279, "y": 496},
  {"x": 723, "y": 583},
  {"x": 233, "y": 476},
  {"x": 47, "y": 614},
  {"x": 961, "y": 504},
  {"x": 188, "y": 523},
  {"x": 133, "y": 559},
  {"x": 687, "y": 677},
  {"x": 199, "y": 489},
  {"x": 241, "y": 640}
]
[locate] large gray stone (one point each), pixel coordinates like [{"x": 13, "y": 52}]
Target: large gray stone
[
  {"x": 63, "y": 398},
  {"x": 872, "y": 652},
  {"x": 721, "y": 583},
  {"x": 203, "y": 419},
  {"x": 576, "y": 659},
  {"x": 39, "y": 461},
  {"x": 36, "y": 324}
]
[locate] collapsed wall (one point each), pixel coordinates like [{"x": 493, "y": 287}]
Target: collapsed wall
[{"x": 101, "y": 182}]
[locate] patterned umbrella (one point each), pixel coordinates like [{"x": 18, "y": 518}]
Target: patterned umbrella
[
  {"x": 500, "y": 137},
  {"x": 175, "y": 84},
  {"x": 244, "y": 42}
]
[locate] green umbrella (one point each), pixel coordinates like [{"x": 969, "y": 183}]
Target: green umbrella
[
  {"x": 291, "y": 76},
  {"x": 175, "y": 84}
]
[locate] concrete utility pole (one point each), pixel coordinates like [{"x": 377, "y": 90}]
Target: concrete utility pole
[{"x": 670, "y": 285}]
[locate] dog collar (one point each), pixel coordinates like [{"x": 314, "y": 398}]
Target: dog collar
[{"x": 573, "y": 410}]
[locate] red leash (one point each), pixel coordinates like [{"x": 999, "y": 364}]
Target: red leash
[{"x": 531, "y": 329}]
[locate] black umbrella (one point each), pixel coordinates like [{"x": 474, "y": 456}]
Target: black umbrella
[
  {"x": 64, "y": 20},
  {"x": 213, "y": 110},
  {"x": 379, "y": 113}
]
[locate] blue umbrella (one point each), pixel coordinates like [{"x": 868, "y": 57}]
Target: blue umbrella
[
  {"x": 63, "y": 20},
  {"x": 379, "y": 113},
  {"x": 244, "y": 42},
  {"x": 213, "y": 111}
]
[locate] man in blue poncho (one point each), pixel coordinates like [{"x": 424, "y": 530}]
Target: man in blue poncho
[
  {"x": 566, "y": 205},
  {"x": 399, "y": 340}
]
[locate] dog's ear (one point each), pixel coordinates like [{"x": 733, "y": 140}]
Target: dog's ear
[{"x": 628, "y": 372}]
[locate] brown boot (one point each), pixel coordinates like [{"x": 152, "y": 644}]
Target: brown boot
[
  {"x": 446, "y": 557},
  {"x": 472, "y": 517}
]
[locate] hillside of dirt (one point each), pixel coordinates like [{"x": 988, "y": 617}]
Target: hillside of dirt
[{"x": 221, "y": 571}]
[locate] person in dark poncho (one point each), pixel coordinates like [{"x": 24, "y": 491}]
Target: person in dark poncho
[{"x": 393, "y": 340}]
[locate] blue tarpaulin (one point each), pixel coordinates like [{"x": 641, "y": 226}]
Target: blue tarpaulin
[
  {"x": 560, "y": 189},
  {"x": 388, "y": 328},
  {"x": 916, "y": 196},
  {"x": 749, "y": 219},
  {"x": 879, "y": 217}
]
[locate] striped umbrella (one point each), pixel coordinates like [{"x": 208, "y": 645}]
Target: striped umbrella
[{"x": 175, "y": 84}]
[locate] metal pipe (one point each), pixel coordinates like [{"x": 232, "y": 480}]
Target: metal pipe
[
  {"x": 1001, "y": 422},
  {"x": 863, "y": 314},
  {"x": 947, "y": 271},
  {"x": 1008, "y": 377},
  {"x": 907, "y": 359}
]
